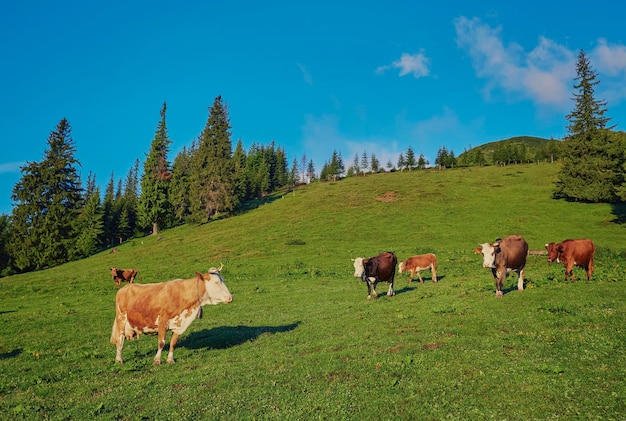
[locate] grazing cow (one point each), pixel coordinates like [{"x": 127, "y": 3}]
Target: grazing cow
[
  {"x": 417, "y": 263},
  {"x": 504, "y": 255},
  {"x": 573, "y": 253},
  {"x": 123, "y": 275},
  {"x": 157, "y": 308},
  {"x": 381, "y": 268}
]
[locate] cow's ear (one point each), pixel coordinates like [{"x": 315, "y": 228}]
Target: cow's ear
[
  {"x": 546, "y": 246},
  {"x": 200, "y": 276}
]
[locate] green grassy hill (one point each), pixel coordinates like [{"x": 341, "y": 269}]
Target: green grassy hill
[
  {"x": 531, "y": 143},
  {"x": 300, "y": 340}
]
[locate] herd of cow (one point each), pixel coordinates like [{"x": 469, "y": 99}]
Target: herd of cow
[
  {"x": 502, "y": 256},
  {"x": 173, "y": 305}
]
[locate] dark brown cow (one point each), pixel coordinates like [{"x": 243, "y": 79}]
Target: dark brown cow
[
  {"x": 418, "y": 263},
  {"x": 573, "y": 253},
  {"x": 505, "y": 255},
  {"x": 123, "y": 275},
  {"x": 381, "y": 268},
  {"x": 157, "y": 308}
]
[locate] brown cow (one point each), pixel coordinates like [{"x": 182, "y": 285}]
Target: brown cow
[
  {"x": 381, "y": 268},
  {"x": 157, "y": 308},
  {"x": 573, "y": 253},
  {"x": 505, "y": 255},
  {"x": 418, "y": 263},
  {"x": 123, "y": 275}
]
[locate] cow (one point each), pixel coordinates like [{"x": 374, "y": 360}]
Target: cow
[
  {"x": 416, "y": 264},
  {"x": 157, "y": 308},
  {"x": 381, "y": 268},
  {"x": 123, "y": 275},
  {"x": 573, "y": 253},
  {"x": 504, "y": 255}
]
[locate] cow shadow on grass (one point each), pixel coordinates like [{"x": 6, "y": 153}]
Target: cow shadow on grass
[
  {"x": 11, "y": 354},
  {"x": 224, "y": 337}
]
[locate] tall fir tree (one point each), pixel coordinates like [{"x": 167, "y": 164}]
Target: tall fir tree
[
  {"x": 179, "y": 188},
  {"x": 410, "y": 159},
  {"x": 110, "y": 217},
  {"x": 154, "y": 205},
  {"x": 48, "y": 199},
  {"x": 592, "y": 167},
  {"x": 212, "y": 175},
  {"x": 90, "y": 226}
]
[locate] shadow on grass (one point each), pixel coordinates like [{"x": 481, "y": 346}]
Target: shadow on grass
[
  {"x": 11, "y": 354},
  {"x": 619, "y": 210},
  {"x": 228, "y": 336},
  {"x": 7, "y": 311}
]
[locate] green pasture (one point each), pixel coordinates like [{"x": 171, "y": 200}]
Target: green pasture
[{"x": 300, "y": 340}]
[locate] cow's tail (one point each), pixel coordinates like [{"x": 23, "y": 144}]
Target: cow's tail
[{"x": 115, "y": 332}]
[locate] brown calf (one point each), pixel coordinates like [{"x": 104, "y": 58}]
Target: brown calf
[
  {"x": 573, "y": 253},
  {"x": 416, "y": 264},
  {"x": 123, "y": 275}
]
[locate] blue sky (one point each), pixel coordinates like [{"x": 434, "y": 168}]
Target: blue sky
[{"x": 314, "y": 77}]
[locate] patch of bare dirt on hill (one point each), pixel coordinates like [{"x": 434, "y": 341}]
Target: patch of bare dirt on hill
[{"x": 389, "y": 196}]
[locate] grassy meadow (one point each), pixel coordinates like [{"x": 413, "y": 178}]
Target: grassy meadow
[{"x": 300, "y": 340}]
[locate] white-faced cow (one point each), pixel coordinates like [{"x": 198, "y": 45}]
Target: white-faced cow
[
  {"x": 418, "y": 263},
  {"x": 504, "y": 255},
  {"x": 123, "y": 275},
  {"x": 157, "y": 308},
  {"x": 573, "y": 253},
  {"x": 381, "y": 268}
]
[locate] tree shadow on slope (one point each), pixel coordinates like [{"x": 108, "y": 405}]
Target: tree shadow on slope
[
  {"x": 224, "y": 337},
  {"x": 619, "y": 210}
]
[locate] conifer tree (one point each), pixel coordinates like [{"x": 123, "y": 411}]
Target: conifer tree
[
  {"x": 410, "y": 159},
  {"x": 179, "y": 188},
  {"x": 212, "y": 174},
  {"x": 89, "y": 226},
  {"x": 401, "y": 162},
  {"x": 240, "y": 179},
  {"x": 154, "y": 204},
  {"x": 592, "y": 164},
  {"x": 5, "y": 235},
  {"x": 110, "y": 217},
  {"x": 48, "y": 199}
]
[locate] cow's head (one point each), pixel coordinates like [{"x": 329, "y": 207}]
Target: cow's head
[
  {"x": 401, "y": 267},
  {"x": 216, "y": 290},
  {"x": 553, "y": 251},
  {"x": 489, "y": 251},
  {"x": 114, "y": 271},
  {"x": 359, "y": 268}
]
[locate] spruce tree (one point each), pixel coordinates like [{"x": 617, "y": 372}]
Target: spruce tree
[
  {"x": 592, "y": 158},
  {"x": 409, "y": 160},
  {"x": 212, "y": 175},
  {"x": 48, "y": 199},
  {"x": 154, "y": 204},
  {"x": 179, "y": 187},
  {"x": 89, "y": 226}
]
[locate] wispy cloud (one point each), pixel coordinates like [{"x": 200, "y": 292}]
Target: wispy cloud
[
  {"x": 9, "y": 167},
  {"x": 545, "y": 74},
  {"x": 415, "y": 64},
  {"x": 305, "y": 74}
]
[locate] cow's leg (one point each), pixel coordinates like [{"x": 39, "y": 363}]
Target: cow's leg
[
  {"x": 369, "y": 289},
  {"x": 520, "y": 280},
  {"x": 433, "y": 272},
  {"x": 120, "y": 345},
  {"x": 170, "y": 354},
  {"x": 498, "y": 281},
  {"x": 161, "y": 345},
  {"x": 420, "y": 276},
  {"x": 391, "y": 292}
]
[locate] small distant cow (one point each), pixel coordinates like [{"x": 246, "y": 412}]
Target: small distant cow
[
  {"x": 504, "y": 255},
  {"x": 416, "y": 264},
  {"x": 573, "y": 253},
  {"x": 123, "y": 275},
  {"x": 381, "y": 268}
]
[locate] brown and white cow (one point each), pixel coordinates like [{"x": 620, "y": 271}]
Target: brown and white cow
[
  {"x": 504, "y": 255},
  {"x": 418, "y": 263},
  {"x": 573, "y": 253},
  {"x": 381, "y": 268},
  {"x": 157, "y": 308},
  {"x": 123, "y": 275}
]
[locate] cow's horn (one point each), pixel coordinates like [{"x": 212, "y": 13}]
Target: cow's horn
[{"x": 221, "y": 267}]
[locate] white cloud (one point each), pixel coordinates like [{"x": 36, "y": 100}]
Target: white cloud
[
  {"x": 10, "y": 167},
  {"x": 415, "y": 64},
  {"x": 305, "y": 74},
  {"x": 610, "y": 59},
  {"x": 543, "y": 75}
]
